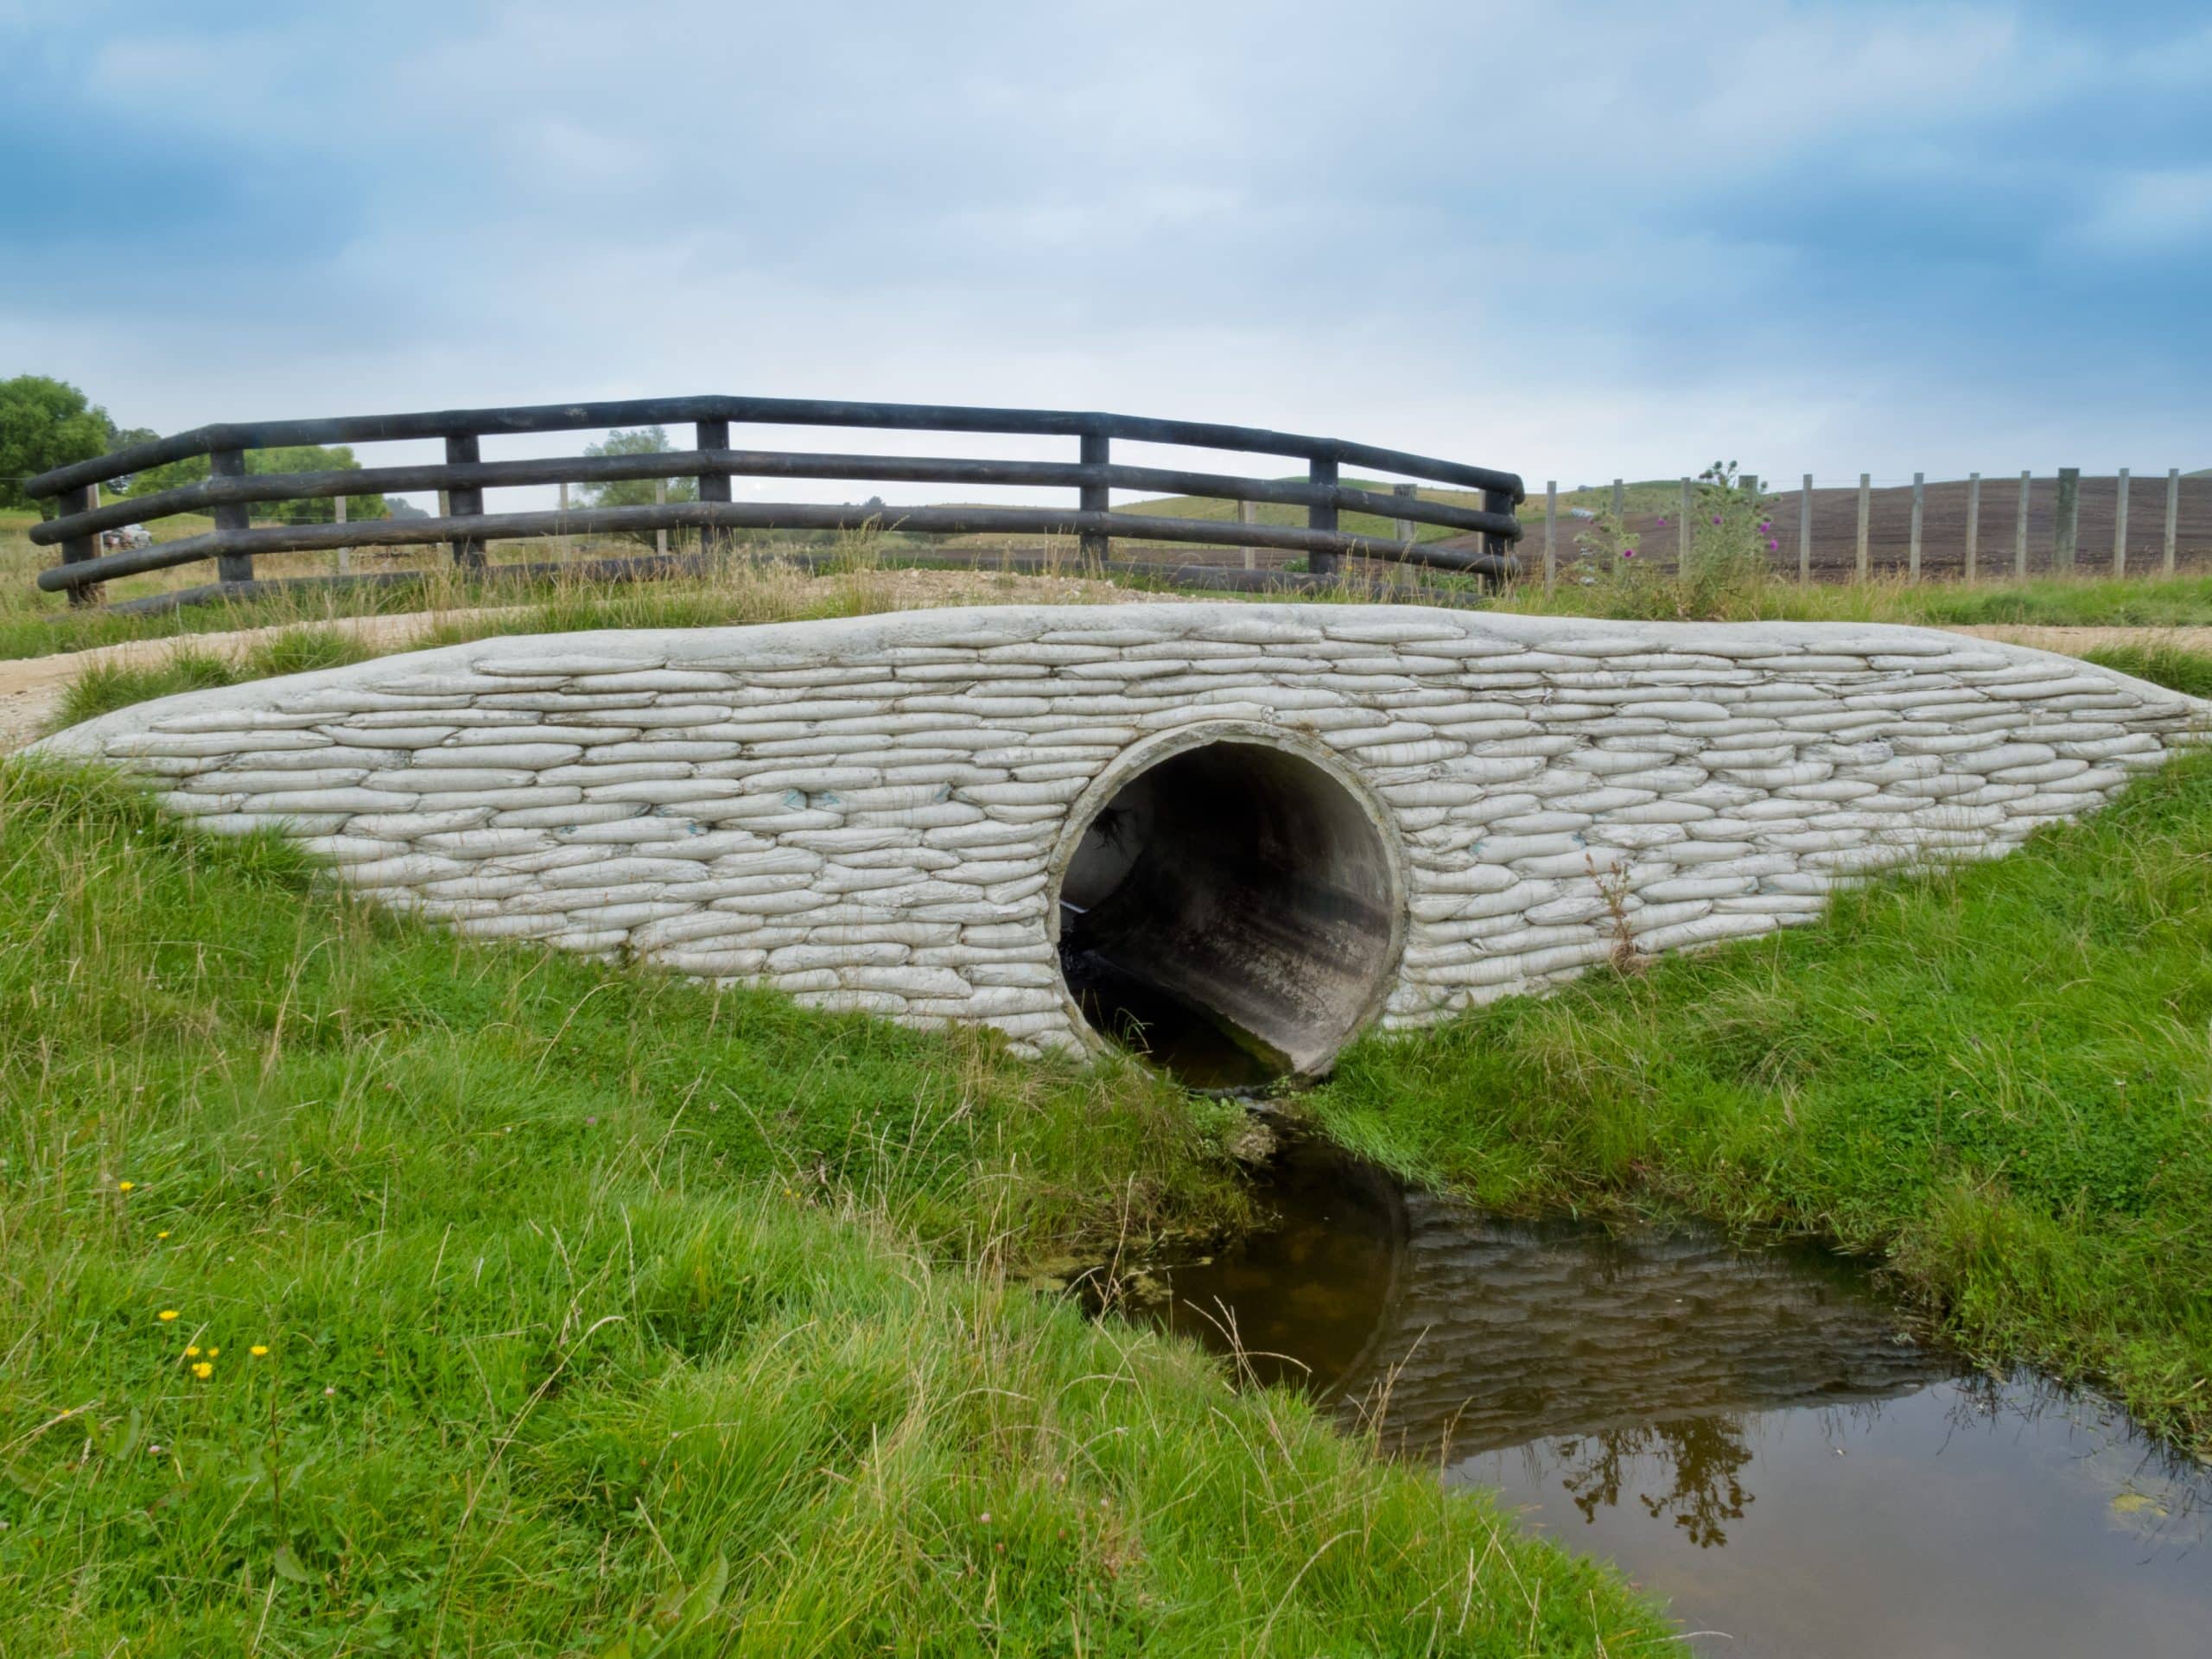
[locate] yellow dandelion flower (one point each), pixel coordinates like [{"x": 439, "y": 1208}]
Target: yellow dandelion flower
[
  {"x": 166, "y": 1315},
  {"x": 164, "y": 1233},
  {"x": 191, "y": 1353},
  {"x": 203, "y": 1370},
  {"x": 214, "y": 1353},
  {"x": 258, "y": 1350},
  {"x": 124, "y": 1186}
]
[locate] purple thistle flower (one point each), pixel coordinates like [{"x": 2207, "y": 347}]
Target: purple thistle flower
[
  {"x": 1766, "y": 524},
  {"x": 1772, "y": 545},
  {"x": 1628, "y": 552},
  {"x": 1716, "y": 517},
  {"x": 1663, "y": 519}
]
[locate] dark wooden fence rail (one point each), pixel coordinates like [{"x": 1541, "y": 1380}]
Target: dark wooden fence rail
[{"x": 230, "y": 492}]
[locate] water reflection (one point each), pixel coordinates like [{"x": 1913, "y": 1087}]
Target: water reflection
[
  {"x": 1706, "y": 1456},
  {"x": 1755, "y": 1435}
]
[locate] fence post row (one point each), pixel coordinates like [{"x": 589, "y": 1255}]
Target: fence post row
[
  {"x": 1096, "y": 449},
  {"x": 1496, "y": 501},
  {"x": 1805, "y": 531},
  {"x": 1247, "y": 513},
  {"x": 1866, "y": 516},
  {"x": 714, "y": 540},
  {"x": 1403, "y": 528},
  {"x": 2020, "y": 529},
  {"x": 1974, "y": 522},
  {"x": 1551, "y": 533},
  {"x": 232, "y": 567},
  {"x": 2173, "y": 516},
  {"x": 78, "y": 549},
  {"x": 1322, "y": 475},
  {"x": 2067, "y": 536},
  {"x": 1919, "y": 513},
  {"x": 465, "y": 501},
  {"x": 2120, "y": 527},
  {"x": 1682, "y": 529}
]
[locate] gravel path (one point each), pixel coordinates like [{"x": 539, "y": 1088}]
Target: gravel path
[{"x": 31, "y": 688}]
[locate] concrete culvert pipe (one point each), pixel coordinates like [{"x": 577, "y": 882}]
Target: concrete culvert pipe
[{"x": 1229, "y": 907}]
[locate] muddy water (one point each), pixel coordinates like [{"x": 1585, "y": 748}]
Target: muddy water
[{"x": 1754, "y": 1434}]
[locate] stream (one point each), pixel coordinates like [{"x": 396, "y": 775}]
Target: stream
[{"x": 1756, "y": 1434}]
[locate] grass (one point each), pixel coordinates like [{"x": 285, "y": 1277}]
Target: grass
[
  {"x": 108, "y": 684},
  {"x": 1997, "y": 1079},
  {"x": 2042, "y": 601},
  {"x": 608, "y": 1315}
]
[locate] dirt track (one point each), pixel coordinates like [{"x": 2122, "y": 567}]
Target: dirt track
[{"x": 31, "y": 688}]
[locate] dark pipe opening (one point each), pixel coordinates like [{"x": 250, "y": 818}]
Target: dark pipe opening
[{"x": 1228, "y": 915}]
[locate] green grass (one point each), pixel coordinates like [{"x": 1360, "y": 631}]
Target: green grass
[
  {"x": 607, "y": 1315},
  {"x": 2042, "y": 601},
  {"x": 2189, "y": 671},
  {"x": 109, "y": 685},
  {"x": 1998, "y": 1079}
]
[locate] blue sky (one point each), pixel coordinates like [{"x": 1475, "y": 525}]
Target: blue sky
[{"x": 1573, "y": 239}]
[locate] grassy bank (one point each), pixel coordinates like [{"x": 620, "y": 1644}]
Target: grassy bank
[
  {"x": 547, "y": 1306},
  {"x": 1998, "y": 1079}
]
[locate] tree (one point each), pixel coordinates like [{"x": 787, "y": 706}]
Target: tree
[
  {"x": 45, "y": 423},
  {"x": 636, "y": 491},
  {"x": 294, "y": 458}
]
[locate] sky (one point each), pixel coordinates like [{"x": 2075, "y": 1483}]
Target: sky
[{"x": 1573, "y": 238}]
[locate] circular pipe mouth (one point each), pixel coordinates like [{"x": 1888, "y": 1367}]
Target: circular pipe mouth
[{"x": 1230, "y": 906}]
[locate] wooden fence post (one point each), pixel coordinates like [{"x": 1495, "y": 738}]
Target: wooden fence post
[
  {"x": 1682, "y": 532},
  {"x": 567, "y": 542},
  {"x": 1247, "y": 513},
  {"x": 2119, "y": 525},
  {"x": 1499, "y": 501},
  {"x": 466, "y": 501},
  {"x": 2020, "y": 531},
  {"x": 1322, "y": 475},
  {"x": 714, "y": 540},
  {"x": 2173, "y": 516},
  {"x": 1551, "y": 533},
  {"x": 1620, "y": 499},
  {"x": 1750, "y": 483},
  {"x": 2067, "y": 538},
  {"x": 660, "y": 532},
  {"x": 1973, "y": 522},
  {"x": 337, "y": 515},
  {"x": 1865, "y": 514},
  {"x": 1094, "y": 546},
  {"x": 232, "y": 567},
  {"x": 78, "y": 549},
  {"x": 1403, "y": 529},
  {"x": 1805, "y": 531},
  {"x": 1919, "y": 512}
]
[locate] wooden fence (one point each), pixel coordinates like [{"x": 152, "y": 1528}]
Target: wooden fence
[
  {"x": 464, "y": 524},
  {"x": 1974, "y": 528}
]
